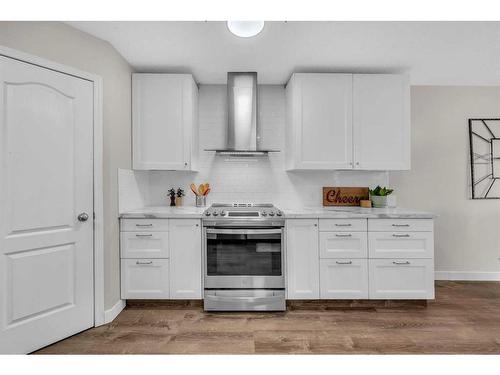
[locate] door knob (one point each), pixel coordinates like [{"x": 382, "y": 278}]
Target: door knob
[{"x": 83, "y": 216}]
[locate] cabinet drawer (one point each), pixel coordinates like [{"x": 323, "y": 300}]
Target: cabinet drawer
[
  {"x": 401, "y": 278},
  {"x": 395, "y": 225},
  {"x": 343, "y": 245},
  {"x": 138, "y": 225},
  {"x": 145, "y": 278},
  {"x": 144, "y": 245},
  {"x": 344, "y": 278},
  {"x": 337, "y": 225},
  {"x": 401, "y": 244}
]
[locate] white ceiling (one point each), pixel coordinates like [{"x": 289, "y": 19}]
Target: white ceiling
[{"x": 434, "y": 53}]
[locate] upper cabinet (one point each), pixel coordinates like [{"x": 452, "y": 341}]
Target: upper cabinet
[
  {"x": 348, "y": 121},
  {"x": 164, "y": 122},
  {"x": 319, "y": 123},
  {"x": 381, "y": 121}
]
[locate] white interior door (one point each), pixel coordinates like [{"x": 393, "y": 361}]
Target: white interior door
[{"x": 46, "y": 181}]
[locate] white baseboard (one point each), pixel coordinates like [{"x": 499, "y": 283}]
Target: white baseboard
[
  {"x": 112, "y": 313},
  {"x": 467, "y": 276}
]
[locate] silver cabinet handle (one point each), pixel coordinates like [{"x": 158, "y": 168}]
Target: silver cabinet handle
[
  {"x": 143, "y": 225},
  {"x": 400, "y": 235},
  {"x": 144, "y": 235},
  {"x": 399, "y": 263},
  {"x": 400, "y": 225},
  {"x": 349, "y": 262},
  {"x": 83, "y": 216},
  {"x": 343, "y": 235},
  {"x": 343, "y": 225},
  {"x": 144, "y": 263}
]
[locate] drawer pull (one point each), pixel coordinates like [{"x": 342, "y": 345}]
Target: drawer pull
[
  {"x": 144, "y": 235},
  {"x": 400, "y": 235},
  {"x": 144, "y": 263},
  {"x": 399, "y": 263},
  {"x": 349, "y": 262},
  {"x": 343, "y": 225},
  {"x": 343, "y": 235},
  {"x": 400, "y": 225},
  {"x": 143, "y": 225}
]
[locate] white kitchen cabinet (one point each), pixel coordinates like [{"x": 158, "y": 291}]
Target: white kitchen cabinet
[
  {"x": 381, "y": 121},
  {"x": 302, "y": 259},
  {"x": 344, "y": 278},
  {"x": 140, "y": 225},
  {"x": 145, "y": 279},
  {"x": 185, "y": 259},
  {"x": 400, "y": 225},
  {"x": 319, "y": 116},
  {"x": 401, "y": 278},
  {"x": 348, "y": 121},
  {"x": 138, "y": 245},
  {"x": 339, "y": 225},
  {"x": 401, "y": 244},
  {"x": 343, "y": 245},
  {"x": 164, "y": 122}
]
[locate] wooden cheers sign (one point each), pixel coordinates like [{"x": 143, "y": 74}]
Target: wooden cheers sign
[{"x": 344, "y": 196}]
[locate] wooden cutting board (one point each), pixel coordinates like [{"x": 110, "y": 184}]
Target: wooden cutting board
[{"x": 344, "y": 196}]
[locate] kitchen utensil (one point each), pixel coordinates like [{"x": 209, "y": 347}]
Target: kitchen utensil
[
  {"x": 193, "y": 189},
  {"x": 201, "y": 189},
  {"x": 206, "y": 192}
]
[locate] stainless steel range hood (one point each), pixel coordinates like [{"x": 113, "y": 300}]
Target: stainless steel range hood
[{"x": 243, "y": 130}]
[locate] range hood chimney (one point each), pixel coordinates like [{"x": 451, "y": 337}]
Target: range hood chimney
[{"x": 243, "y": 130}]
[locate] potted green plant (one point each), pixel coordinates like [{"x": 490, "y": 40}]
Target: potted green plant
[{"x": 382, "y": 197}]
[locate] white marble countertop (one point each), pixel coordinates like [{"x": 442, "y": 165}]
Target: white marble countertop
[
  {"x": 356, "y": 213},
  {"x": 191, "y": 212},
  {"x": 164, "y": 212}
]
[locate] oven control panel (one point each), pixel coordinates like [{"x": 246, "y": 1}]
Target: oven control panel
[{"x": 238, "y": 211}]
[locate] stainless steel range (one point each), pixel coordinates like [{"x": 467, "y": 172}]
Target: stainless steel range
[{"x": 244, "y": 257}]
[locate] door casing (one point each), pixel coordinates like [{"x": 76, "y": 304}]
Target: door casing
[{"x": 98, "y": 230}]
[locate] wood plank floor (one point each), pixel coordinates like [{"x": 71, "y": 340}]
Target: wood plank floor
[{"x": 464, "y": 319}]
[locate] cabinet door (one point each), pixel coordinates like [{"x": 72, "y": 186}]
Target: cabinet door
[
  {"x": 343, "y": 245},
  {"x": 322, "y": 116},
  {"x": 144, "y": 244},
  {"x": 185, "y": 259},
  {"x": 401, "y": 244},
  {"x": 162, "y": 121},
  {"x": 344, "y": 278},
  {"x": 144, "y": 279},
  {"x": 381, "y": 121},
  {"x": 401, "y": 278},
  {"x": 302, "y": 258}
]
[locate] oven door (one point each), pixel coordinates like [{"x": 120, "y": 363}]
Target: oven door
[{"x": 244, "y": 258}]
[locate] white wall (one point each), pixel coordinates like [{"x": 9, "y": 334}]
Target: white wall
[
  {"x": 242, "y": 179},
  {"x": 61, "y": 43},
  {"x": 467, "y": 232}
]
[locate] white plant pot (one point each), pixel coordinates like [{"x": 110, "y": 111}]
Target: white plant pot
[{"x": 382, "y": 202}]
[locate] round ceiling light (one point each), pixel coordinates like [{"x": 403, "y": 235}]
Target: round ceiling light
[{"x": 245, "y": 29}]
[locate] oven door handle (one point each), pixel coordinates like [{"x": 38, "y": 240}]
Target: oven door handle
[{"x": 244, "y": 231}]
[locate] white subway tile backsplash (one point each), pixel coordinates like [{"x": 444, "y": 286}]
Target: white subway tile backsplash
[{"x": 262, "y": 179}]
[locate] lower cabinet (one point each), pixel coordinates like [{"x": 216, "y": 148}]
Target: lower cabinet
[
  {"x": 185, "y": 259},
  {"x": 145, "y": 278},
  {"x": 164, "y": 263},
  {"x": 343, "y": 278},
  {"x": 401, "y": 278},
  {"x": 302, "y": 259}
]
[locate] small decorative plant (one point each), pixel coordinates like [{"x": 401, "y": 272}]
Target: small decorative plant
[
  {"x": 178, "y": 199},
  {"x": 381, "y": 197},
  {"x": 381, "y": 191},
  {"x": 171, "y": 194}
]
